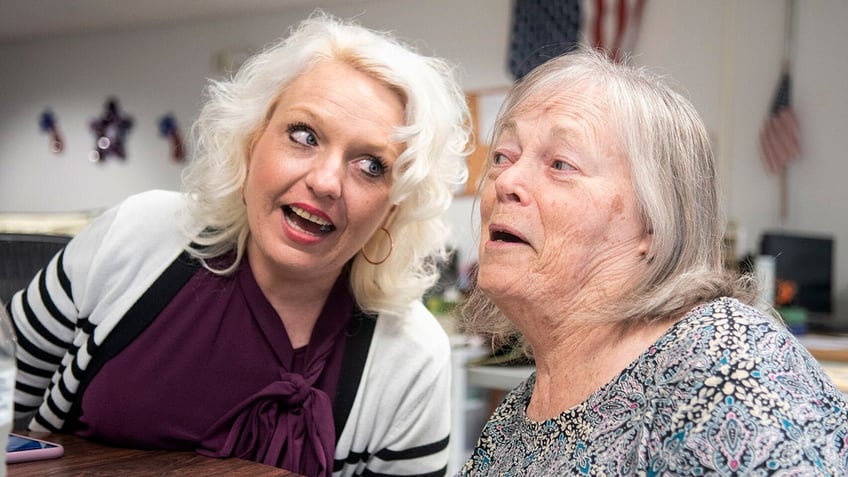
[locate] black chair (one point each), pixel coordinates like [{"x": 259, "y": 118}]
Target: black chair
[{"x": 21, "y": 256}]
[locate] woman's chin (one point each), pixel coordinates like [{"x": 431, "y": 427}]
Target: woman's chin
[{"x": 498, "y": 286}]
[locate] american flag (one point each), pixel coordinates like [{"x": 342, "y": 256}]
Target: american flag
[
  {"x": 541, "y": 30},
  {"x": 779, "y": 138},
  {"x": 626, "y": 19}
]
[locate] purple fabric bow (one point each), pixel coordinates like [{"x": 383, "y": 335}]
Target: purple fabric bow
[{"x": 277, "y": 426}]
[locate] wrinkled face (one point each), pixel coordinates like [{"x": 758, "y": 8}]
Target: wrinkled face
[
  {"x": 558, "y": 211},
  {"x": 319, "y": 175}
]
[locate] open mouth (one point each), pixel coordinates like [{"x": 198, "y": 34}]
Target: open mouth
[
  {"x": 503, "y": 236},
  {"x": 307, "y": 222}
]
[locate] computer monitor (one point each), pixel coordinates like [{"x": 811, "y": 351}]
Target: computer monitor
[{"x": 806, "y": 260}]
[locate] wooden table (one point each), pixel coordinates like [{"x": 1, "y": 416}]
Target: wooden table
[{"x": 86, "y": 458}]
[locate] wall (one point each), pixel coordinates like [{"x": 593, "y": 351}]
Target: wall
[
  {"x": 725, "y": 53},
  {"x": 159, "y": 70}
]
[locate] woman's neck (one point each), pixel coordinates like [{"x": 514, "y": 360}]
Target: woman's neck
[
  {"x": 574, "y": 361},
  {"x": 298, "y": 301}
]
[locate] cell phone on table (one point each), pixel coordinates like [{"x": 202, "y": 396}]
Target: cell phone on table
[{"x": 24, "y": 449}]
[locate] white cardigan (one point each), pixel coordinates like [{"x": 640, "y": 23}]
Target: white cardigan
[{"x": 400, "y": 417}]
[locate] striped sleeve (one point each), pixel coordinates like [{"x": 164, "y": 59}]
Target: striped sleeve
[
  {"x": 45, "y": 321},
  {"x": 417, "y": 443},
  {"x": 413, "y": 461},
  {"x": 428, "y": 460},
  {"x": 420, "y": 438}
]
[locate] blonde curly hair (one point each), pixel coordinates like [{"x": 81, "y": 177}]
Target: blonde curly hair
[{"x": 432, "y": 166}]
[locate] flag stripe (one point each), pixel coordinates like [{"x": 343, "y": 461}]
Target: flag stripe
[{"x": 780, "y": 138}]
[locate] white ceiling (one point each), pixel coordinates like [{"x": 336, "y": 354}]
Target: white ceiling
[{"x": 26, "y": 19}]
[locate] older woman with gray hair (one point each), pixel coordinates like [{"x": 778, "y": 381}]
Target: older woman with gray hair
[
  {"x": 272, "y": 311},
  {"x": 601, "y": 248}
]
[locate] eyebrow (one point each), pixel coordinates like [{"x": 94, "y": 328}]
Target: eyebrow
[
  {"x": 556, "y": 131},
  {"x": 508, "y": 125},
  {"x": 563, "y": 133}
]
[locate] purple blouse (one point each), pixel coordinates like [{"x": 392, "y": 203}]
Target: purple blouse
[{"x": 215, "y": 372}]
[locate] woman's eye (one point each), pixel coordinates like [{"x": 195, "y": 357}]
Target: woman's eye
[
  {"x": 373, "y": 166},
  {"x": 562, "y": 166},
  {"x": 498, "y": 158},
  {"x": 301, "y": 134}
]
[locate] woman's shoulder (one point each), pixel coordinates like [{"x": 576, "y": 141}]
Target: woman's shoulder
[
  {"x": 156, "y": 196},
  {"x": 730, "y": 319},
  {"x": 722, "y": 329},
  {"x": 124, "y": 250},
  {"x": 148, "y": 217},
  {"x": 752, "y": 372},
  {"x": 711, "y": 340},
  {"x": 140, "y": 220},
  {"x": 416, "y": 324},
  {"x": 145, "y": 207},
  {"x": 733, "y": 344},
  {"x": 416, "y": 332}
]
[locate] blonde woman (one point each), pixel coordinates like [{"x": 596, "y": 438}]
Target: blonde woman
[{"x": 272, "y": 311}]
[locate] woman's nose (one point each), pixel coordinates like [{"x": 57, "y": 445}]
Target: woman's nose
[
  {"x": 325, "y": 176},
  {"x": 513, "y": 184}
]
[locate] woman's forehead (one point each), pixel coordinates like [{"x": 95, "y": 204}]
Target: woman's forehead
[
  {"x": 577, "y": 108},
  {"x": 578, "y": 96}
]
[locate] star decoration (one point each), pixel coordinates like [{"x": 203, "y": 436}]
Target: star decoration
[{"x": 110, "y": 130}]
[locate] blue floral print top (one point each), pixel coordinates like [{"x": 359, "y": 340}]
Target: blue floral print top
[{"x": 726, "y": 391}]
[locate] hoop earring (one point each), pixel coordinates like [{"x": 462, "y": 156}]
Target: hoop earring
[{"x": 391, "y": 247}]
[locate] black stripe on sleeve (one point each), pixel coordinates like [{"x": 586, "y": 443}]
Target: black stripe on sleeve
[
  {"x": 352, "y": 458},
  {"x": 86, "y": 326},
  {"x": 63, "y": 278},
  {"x": 34, "y": 350},
  {"x": 51, "y": 307},
  {"x": 31, "y": 370},
  {"x": 55, "y": 408},
  {"x": 41, "y": 420},
  {"x": 76, "y": 370},
  {"x": 415, "y": 452},
  {"x": 24, "y": 409},
  {"x": 63, "y": 389},
  {"x": 438, "y": 473},
  {"x": 39, "y": 327},
  {"x": 26, "y": 388}
]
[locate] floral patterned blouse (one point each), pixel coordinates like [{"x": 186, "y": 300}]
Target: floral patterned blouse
[{"x": 725, "y": 391}]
